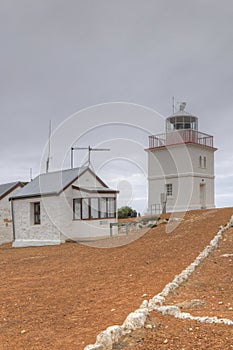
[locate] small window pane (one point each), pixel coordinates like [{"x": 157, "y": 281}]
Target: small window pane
[
  {"x": 200, "y": 161},
  {"x": 103, "y": 208},
  {"x": 111, "y": 207},
  {"x": 94, "y": 208},
  {"x": 37, "y": 213},
  {"x": 204, "y": 162},
  {"x": 85, "y": 208},
  {"x": 169, "y": 189},
  {"x": 77, "y": 209}
]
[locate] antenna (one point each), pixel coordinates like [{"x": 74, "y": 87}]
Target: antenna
[
  {"x": 48, "y": 159},
  {"x": 30, "y": 174},
  {"x": 90, "y": 149},
  {"x": 173, "y": 104},
  {"x": 182, "y": 105}
]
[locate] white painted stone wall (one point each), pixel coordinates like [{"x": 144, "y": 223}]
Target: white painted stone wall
[
  {"x": 86, "y": 228},
  {"x": 6, "y": 230},
  {"x": 86, "y": 180},
  {"x": 28, "y": 234},
  {"x": 179, "y": 165}
]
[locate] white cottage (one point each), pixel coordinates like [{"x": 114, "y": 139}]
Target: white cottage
[
  {"x": 6, "y": 191},
  {"x": 58, "y": 206},
  {"x": 181, "y": 166}
]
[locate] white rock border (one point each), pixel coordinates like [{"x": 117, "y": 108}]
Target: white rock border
[{"x": 137, "y": 319}]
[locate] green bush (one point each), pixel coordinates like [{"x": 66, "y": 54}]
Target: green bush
[{"x": 126, "y": 212}]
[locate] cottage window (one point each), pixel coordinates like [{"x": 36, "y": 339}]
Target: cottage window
[
  {"x": 94, "y": 208},
  {"x": 36, "y": 213},
  {"x": 169, "y": 189}
]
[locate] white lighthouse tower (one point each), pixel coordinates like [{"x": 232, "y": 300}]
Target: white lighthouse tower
[{"x": 180, "y": 166}]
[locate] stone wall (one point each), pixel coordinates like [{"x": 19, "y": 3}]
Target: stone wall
[
  {"x": 29, "y": 234},
  {"x": 6, "y": 230}
]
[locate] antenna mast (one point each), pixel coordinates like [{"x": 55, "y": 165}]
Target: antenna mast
[
  {"x": 90, "y": 149},
  {"x": 48, "y": 159},
  {"x": 30, "y": 174}
]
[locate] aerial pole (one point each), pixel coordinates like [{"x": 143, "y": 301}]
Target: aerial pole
[
  {"x": 30, "y": 175},
  {"x": 89, "y": 149},
  {"x": 48, "y": 159},
  {"x": 173, "y": 104},
  {"x": 71, "y": 157}
]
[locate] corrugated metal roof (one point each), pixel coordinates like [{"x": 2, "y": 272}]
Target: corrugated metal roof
[
  {"x": 50, "y": 183},
  {"x": 4, "y": 188}
]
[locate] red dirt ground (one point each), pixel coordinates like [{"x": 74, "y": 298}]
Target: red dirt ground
[{"x": 61, "y": 297}]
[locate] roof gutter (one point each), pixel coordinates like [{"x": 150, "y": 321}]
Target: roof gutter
[{"x": 104, "y": 190}]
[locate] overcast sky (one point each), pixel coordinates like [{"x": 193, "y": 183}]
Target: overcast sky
[{"x": 59, "y": 57}]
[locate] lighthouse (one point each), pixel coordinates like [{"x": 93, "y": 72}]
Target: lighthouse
[{"x": 180, "y": 166}]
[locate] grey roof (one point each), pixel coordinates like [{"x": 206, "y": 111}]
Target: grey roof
[
  {"x": 50, "y": 183},
  {"x": 181, "y": 113},
  {"x": 6, "y": 188}
]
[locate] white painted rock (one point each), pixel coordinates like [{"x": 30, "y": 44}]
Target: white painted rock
[
  {"x": 116, "y": 332},
  {"x": 136, "y": 319},
  {"x": 94, "y": 347},
  {"x": 105, "y": 339}
]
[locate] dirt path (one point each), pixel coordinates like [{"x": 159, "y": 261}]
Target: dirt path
[{"x": 61, "y": 297}]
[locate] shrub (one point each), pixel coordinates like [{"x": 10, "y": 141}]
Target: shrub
[{"x": 126, "y": 212}]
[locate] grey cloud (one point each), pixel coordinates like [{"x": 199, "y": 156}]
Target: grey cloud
[{"x": 58, "y": 57}]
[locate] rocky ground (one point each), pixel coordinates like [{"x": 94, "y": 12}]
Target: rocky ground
[
  {"x": 61, "y": 297},
  {"x": 208, "y": 292}
]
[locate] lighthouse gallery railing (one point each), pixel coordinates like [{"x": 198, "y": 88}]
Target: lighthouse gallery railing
[{"x": 180, "y": 137}]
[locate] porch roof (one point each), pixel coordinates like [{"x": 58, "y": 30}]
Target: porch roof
[{"x": 95, "y": 189}]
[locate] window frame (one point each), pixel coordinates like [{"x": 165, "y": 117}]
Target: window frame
[
  {"x": 106, "y": 214},
  {"x": 204, "y": 162},
  {"x": 111, "y": 214},
  {"x": 200, "y": 161},
  {"x": 36, "y": 213},
  {"x": 94, "y": 210},
  {"x": 77, "y": 200},
  {"x": 169, "y": 190},
  {"x": 103, "y": 214}
]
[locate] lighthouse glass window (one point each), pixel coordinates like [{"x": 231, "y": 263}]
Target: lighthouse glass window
[{"x": 169, "y": 189}]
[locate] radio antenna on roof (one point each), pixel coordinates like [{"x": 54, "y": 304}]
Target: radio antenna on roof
[
  {"x": 90, "y": 149},
  {"x": 48, "y": 159}
]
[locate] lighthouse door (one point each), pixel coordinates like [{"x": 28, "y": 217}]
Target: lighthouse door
[{"x": 203, "y": 196}]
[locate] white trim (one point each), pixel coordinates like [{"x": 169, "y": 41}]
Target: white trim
[
  {"x": 176, "y": 176},
  {"x": 18, "y": 243}
]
